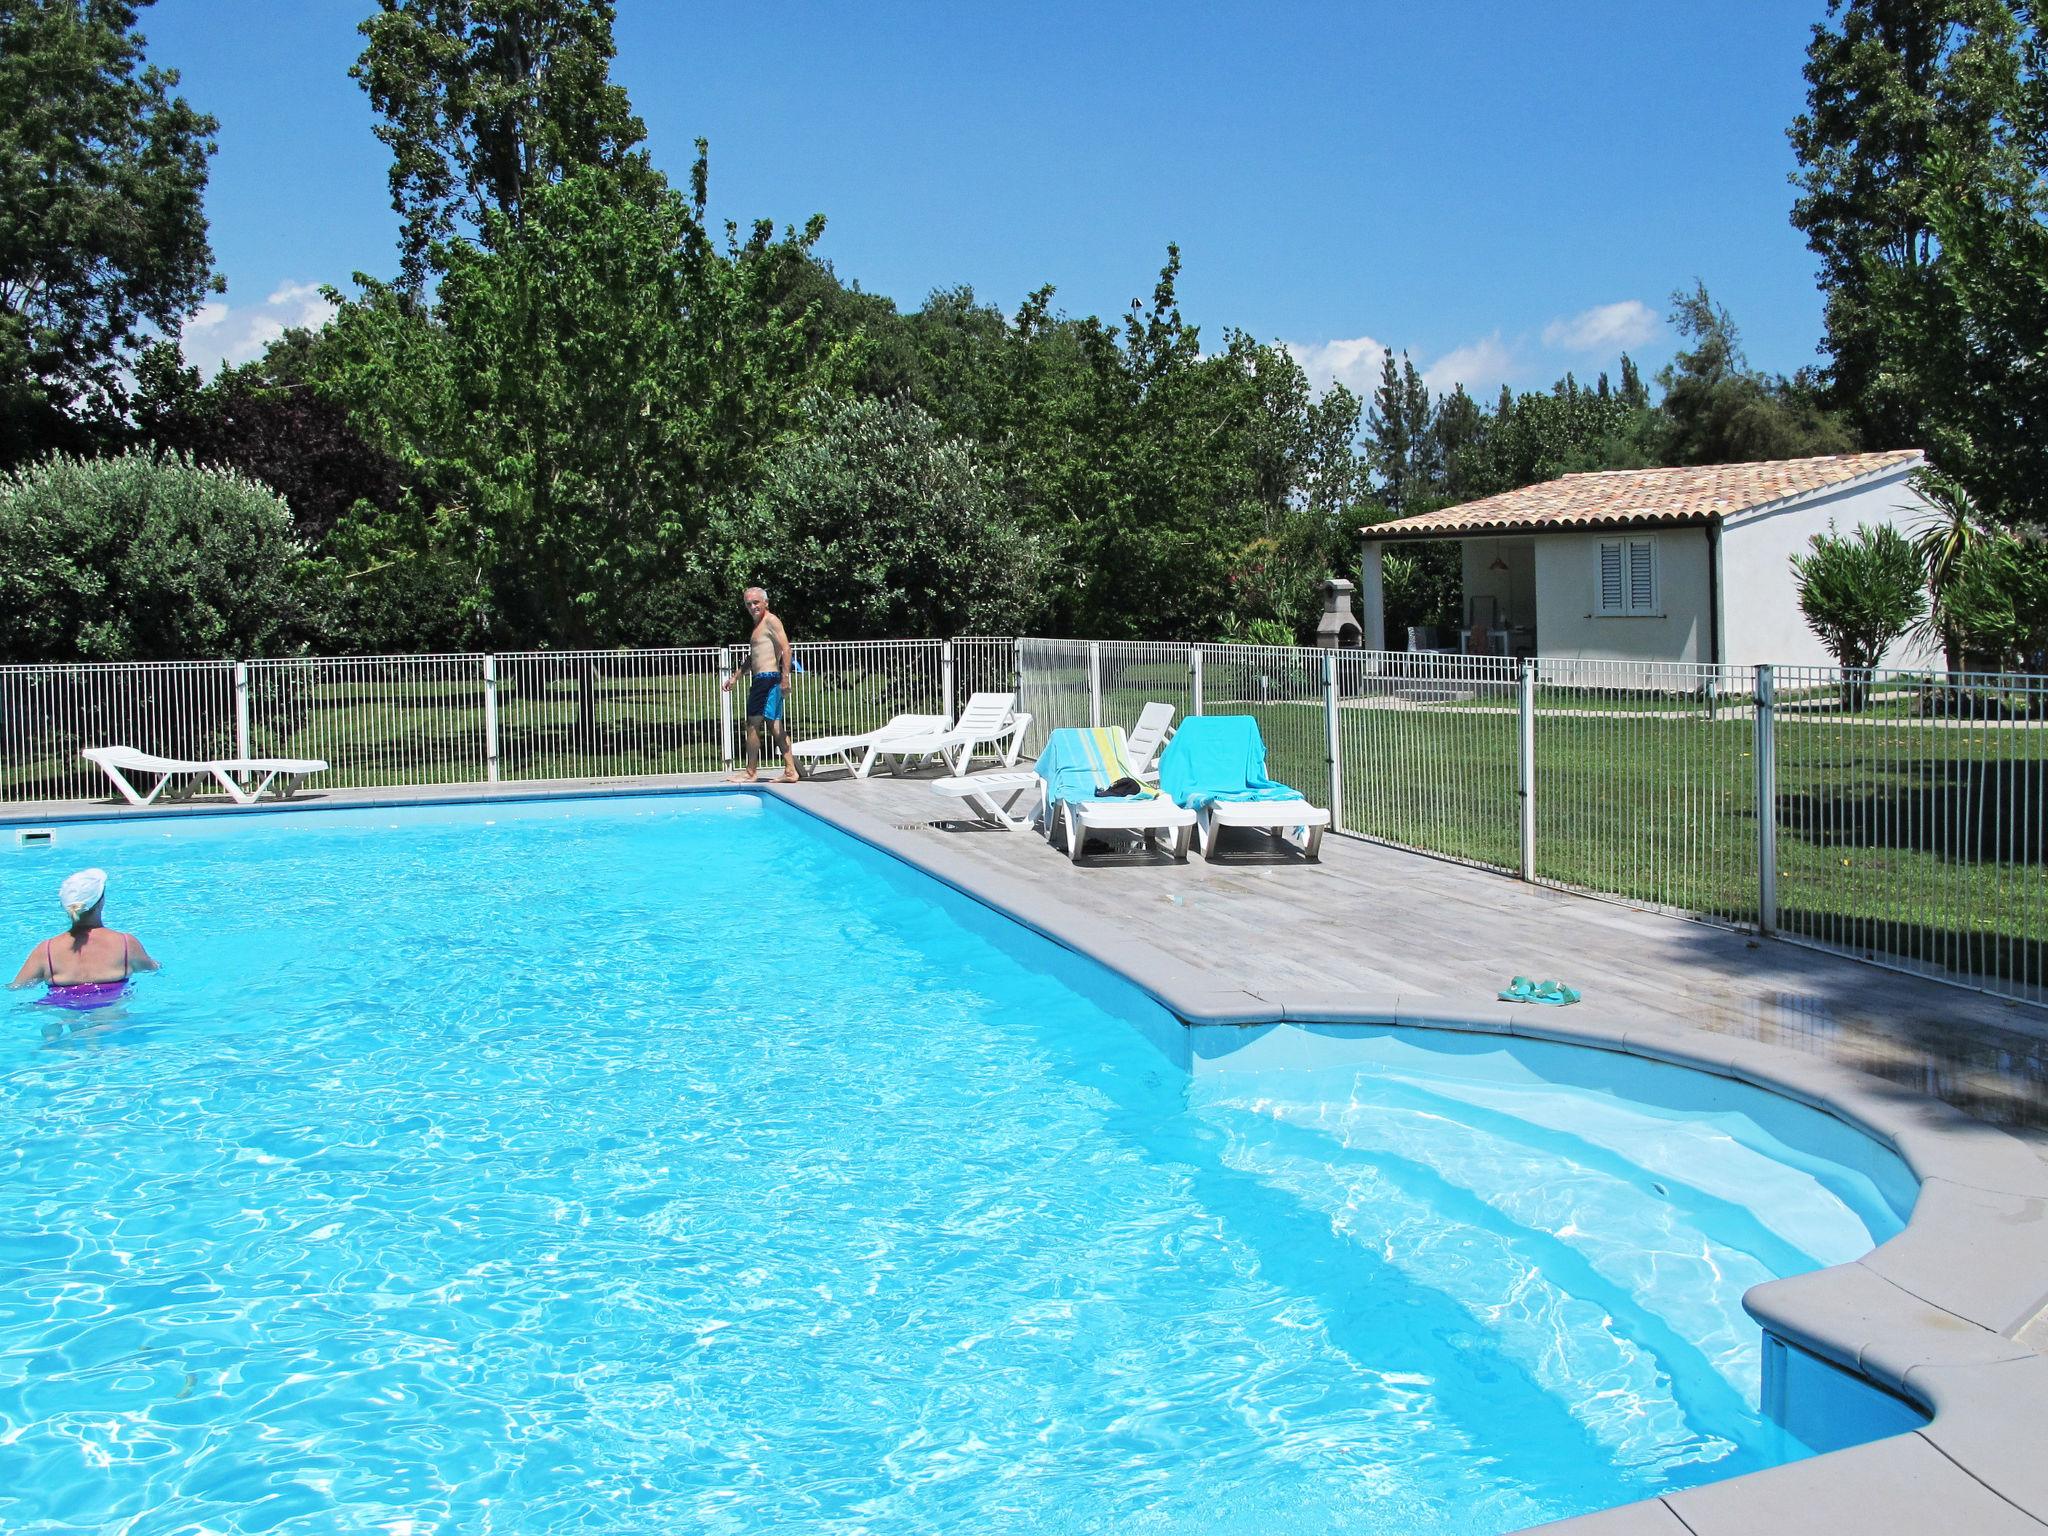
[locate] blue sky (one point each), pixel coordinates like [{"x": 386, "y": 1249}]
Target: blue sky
[{"x": 1505, "y": 190}]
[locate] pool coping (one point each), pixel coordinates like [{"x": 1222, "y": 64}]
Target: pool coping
[{"x": 1943, "y": 1314}]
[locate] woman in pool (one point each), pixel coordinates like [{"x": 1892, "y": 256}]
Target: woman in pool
[{"x": 89, "y": 966}]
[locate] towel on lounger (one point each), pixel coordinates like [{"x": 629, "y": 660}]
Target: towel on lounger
[
  {"x": 1083, "y": 764},
  {"x": 1218, "y": 757}
]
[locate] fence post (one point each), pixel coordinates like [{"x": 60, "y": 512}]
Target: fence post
[
  {"x": 724, "y": 707},
  {"x": 1766, "y": 748},
  {"x": 1333, "y": 741},
  {"x": 1195, "y": 679},
  {"x": 947, "y": 684},
  {"x": 1527, "y": 774},
  {"x": 1095, "y": 682},
  {"x": 490, "y": 719},
  {"x": 242, "y": 712},
  {"x": 1017, "y": 667}
]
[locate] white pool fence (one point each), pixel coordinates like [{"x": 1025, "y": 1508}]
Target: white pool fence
[{"x": 1897, "y": 816}]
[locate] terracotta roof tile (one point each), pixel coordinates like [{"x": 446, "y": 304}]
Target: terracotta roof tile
[{"x": 1620, "y": 498}]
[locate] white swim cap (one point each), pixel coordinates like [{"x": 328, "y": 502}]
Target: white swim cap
[{"x": 81, "y": 892}]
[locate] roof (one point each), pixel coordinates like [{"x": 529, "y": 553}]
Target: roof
[{"x": 1630, "y": 498}]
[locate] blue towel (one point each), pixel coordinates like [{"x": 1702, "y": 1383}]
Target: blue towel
[
  {"x": 1218, "y": 757},
  {"x": 1081, "y": 764}
]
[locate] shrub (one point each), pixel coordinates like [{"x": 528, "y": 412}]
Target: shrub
[
  {"x": 872, "y": 522},
  {"x": 142, "y": 558},
  {"x": 1860, "y": 594}
]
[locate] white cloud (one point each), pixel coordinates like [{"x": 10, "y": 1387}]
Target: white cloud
[
  {"x": 1354, "y": 363},
  {"x": 1481, "y": 366},
  {"x": 1604, "y": 328},
  {"x": 226, "y": 335}
]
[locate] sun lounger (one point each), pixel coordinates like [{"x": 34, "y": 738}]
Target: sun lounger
[
  {"x": 859, "y": 750},
  {"x": 1014, "y": 799},
  {"x": 1216, "y": 767},
  {"x": 988, "y": 720},
  {"x": 1152, "y": 732},
  {"x": 282, "y": 772},
  {"x": 1077, "y": 766}
]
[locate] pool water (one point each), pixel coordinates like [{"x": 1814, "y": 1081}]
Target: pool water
[{"x": 678, "y": 1163}]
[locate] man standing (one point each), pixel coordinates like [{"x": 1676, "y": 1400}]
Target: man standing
[{"x": 768, "y": 662}]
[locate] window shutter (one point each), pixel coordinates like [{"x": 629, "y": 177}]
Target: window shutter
[
  {"x": 1642, "y": 576},
  {"x": 1611, "y": 599}
]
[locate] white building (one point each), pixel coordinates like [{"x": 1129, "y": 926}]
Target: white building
[{"x": 1690, "y": 565}]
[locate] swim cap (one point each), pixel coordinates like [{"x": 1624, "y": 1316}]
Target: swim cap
[{"x": 81, "y": 892}]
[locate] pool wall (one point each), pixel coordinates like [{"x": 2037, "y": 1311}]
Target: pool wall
[{"x": 1944, "y": 1316}]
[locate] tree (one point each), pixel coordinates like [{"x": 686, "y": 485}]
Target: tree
[
  {"x": 1401, "y": 441},
  {"x": 1860, "y": 594},
  {"x": 1904, "y": 97},
  {"x": 146, "y": 558},
  {"x": 1988, "y": 424},
  {"x": 277, "y": 430},
  {"x": 1945, "y": 540},
  {"x": 485, "y": 102},
  {"x": 871, "y": 522},
  {"x": 1717, "y": 411},
  {"x": 580, "y": 391},
  {"x": 102, "y": 233}
]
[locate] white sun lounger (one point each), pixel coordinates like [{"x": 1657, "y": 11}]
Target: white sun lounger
[
  {"x": 283, "y": 772},
  {"x": 1152, "y": 732},
  {"x": 859, "y": 750},
  {"x": 988, "y": 720},
  {"x": 1149, "y": 818},
  {"x": 1015, "y": 799},
  {"x": 1295, "y": 821}
]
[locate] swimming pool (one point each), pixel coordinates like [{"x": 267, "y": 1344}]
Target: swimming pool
[{"x": 657, "y": 1163}]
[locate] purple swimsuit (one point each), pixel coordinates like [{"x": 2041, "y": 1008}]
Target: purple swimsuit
[{"x": 83, "y": 995}]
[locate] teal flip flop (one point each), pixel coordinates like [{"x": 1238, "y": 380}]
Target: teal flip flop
[{"x": 1554, "y": 994}]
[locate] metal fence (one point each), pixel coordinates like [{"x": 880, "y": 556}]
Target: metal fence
[{"x": 1898, "y": 816}]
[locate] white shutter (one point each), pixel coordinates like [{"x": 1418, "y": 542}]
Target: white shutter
[
  {"x": 1612, "y": 597},
  {"x": 1642, "y": 576}
]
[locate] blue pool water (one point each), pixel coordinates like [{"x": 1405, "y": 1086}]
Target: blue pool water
[{"x": 666, "y": 1164}]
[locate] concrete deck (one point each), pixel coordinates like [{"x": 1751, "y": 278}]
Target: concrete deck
[
  {"x": 1948, "y": 1313},
  {"x": 1379, "y": 923}
]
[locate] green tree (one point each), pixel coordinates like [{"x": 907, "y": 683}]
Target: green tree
[
  {"x": 484, "y": 103},
  {"x": 1904, "y": 98},
  {"x": 1717, "y": 411},
  {"x": 1946, "y": 539},
  {"x": 869, "y": 522},
  {"x": 146, "y": 558},
  {"x": 579, "y": 391},
  {"x": 102, "y": 232},
  {"x": 1860, "y": 593},
  {"x": 1401, "y": 440},
  {"x": 1988, "y": 423}
]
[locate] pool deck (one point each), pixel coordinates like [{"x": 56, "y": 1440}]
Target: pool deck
[{"x": 1949, "y": 1313}]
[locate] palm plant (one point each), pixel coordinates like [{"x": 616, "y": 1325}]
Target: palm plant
[{"x": 1945, "y": 539}]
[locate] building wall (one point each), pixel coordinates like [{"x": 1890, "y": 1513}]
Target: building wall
[
  {"x": 1568, "y": 621},
  {"x": 1760, "y": 596}
]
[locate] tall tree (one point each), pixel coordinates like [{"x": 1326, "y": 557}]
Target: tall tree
[
  {"x": 102, "y": 233},
  {"x": 486, "y": 101},
  {"x": 1401, "y": 441},
  {"x": 1717, "y": 411},
  {"x": 1892, "y": 87}
]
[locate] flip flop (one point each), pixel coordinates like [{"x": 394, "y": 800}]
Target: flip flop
[
  {"x": 1520, "y": 990},
  {"x": 1555, "y": 994}
]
